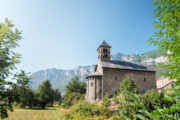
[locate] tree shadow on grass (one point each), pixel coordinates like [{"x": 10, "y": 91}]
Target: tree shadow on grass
[{"x": 38, "y": 108}]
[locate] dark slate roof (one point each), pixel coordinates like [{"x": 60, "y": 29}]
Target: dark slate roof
[
  {"x": 124, "y": 65},
  {"x": 104, "y": 44},
  {"x": 95, "y": 74}
]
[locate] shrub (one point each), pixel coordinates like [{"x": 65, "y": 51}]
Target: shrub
[
  {"x": 128, "y": 84},
  {"x": 153, "y": 100},
  {"x": 149, "y": 106},
  {"x": 75, "y": 86},
  {"x": 82, "y": 110},
  {"x": 104, "y": 106},
  {"x": 85, "y": 110},
  {"x": 71, "y": 99},
  {"x": 74, "y": 92}
]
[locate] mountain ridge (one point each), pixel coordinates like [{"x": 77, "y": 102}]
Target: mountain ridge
[{"x": 59, "y": 78}]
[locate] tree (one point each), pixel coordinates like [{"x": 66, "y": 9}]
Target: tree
[
  {"x": 27, "y": 98},
  {"x": 9, "y": 38},
  {"x": 24, "y": 91},
  {"x": 128, "y": 84},
  {"x": 74, "y": 91},
  {"x": 161, "y": 70},
  {"x": 167, "y": 37},
  {"x": 45, "y": 94},
  {"x": 151, "y": 99},
  {"x": 75, "y": 86},
  {"x": 57, "y": 95}
]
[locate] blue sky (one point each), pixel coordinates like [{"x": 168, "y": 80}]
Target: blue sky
[{"x": 66, "y": 33}]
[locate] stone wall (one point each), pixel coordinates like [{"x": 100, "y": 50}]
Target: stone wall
[
  {"x": 101, "y": 53},
  {"x": 94, "y": 88},
  {"x": 144, "y": 80}
]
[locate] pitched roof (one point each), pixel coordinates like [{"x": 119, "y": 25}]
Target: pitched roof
[
  {"x": 104, "y": 44},
  {"x": 125, "y": 65},
  {"x": 165, "y": 84},
  {"x": 95, "y": 74},
  {"x": 161, "y": 83}
]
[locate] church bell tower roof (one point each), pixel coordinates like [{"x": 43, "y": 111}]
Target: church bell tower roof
[{"x": 104, "y": 44}]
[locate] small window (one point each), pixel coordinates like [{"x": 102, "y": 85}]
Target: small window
[
  {"x": 144, "y": 79},
  {"x": 172, "y": 85},
  {"x": 91, "y": 84},
  {"x": 115, "y": 78}
]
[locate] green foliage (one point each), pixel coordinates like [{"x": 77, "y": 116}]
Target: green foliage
[
  {"x": 153, "y": 100},
  {"x": 24, "y": 91},
  {"x": 74, "y": 91},
  {"x": 84, "y": 110},
  {"x": 45, "y": 94},
  {"x": 129, "y": 104},
  {"x": 79, "y": 107},
  {"x": 152, "y": 54},
  {"x": 105, "y": 101},
  {"x": 148, "y": 106},
  {"x": 165, "y": 113},
  {"x": 167, "y": 37},
  {"x": 9, "y": 37},
  {"x": 161, "y": 69},
  {"x": 57, "y": 95},
  {"x": 26, "y": 98},
  {"x": 71, "y": 99},
  {"x": 128, "y": 84},
  {"x": 75, "y": 86}
]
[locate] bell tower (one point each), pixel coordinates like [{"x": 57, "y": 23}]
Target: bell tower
[{"x": 104, "y": 52}]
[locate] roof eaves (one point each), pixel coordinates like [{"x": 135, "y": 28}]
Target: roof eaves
[{"x": 131, "y": 69}]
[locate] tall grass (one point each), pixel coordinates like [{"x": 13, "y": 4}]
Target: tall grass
[{"x": 51, "y": 113}]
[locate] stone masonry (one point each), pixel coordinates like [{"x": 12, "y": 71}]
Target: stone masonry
[{"x": 109, "y": 74}]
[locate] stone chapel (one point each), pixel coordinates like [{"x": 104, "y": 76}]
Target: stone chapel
[{"x": 109, "y": 73}]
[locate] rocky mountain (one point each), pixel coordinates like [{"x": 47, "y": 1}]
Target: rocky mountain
[
  {"x": 151, "y": 58},
  {"x": 59, "y": 78}
]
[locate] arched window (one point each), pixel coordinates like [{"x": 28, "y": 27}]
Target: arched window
[
  {"x": 104, "y": 50},
  {"x": 116, "y": 78},
  {"x": 144, "y": 79}
]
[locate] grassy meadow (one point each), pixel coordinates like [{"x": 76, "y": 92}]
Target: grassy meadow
[{"x": 51, "y": 113}]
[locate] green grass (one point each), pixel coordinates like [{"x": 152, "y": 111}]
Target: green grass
[{"x": 51, "y": 113}]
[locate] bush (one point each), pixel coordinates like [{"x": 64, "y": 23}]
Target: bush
[
  {"x": 71, "y": 99},
  {"x": 148, "y": 106},
  {"x": 128, "y": 84},
  {"x": 75, "y": 91},
  {"x": 104, "y": 110},
  {"x": 75, "y": 86},
  {"x": 153, "y": 100},
  {"x": 85, "y": 110}
]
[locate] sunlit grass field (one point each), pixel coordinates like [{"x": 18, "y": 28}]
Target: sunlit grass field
[{"x": 51, "y": 113}]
